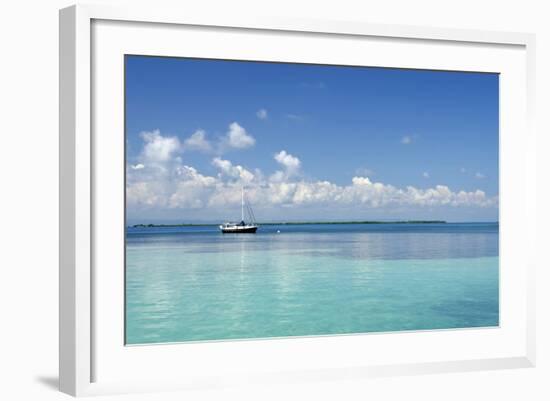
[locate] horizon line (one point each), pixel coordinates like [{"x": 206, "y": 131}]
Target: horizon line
[{"x": 315, "y": 222}]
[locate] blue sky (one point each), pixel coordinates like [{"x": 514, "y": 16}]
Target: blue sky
[{"x": 428, "y": 138}]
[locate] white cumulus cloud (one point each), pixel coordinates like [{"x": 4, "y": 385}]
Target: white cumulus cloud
[
  {"x": 290, "y": 163},
  {"x": 261, "y": 114},
  {"x": 287, "y": 160},
  {"x": 197, "y": 141},
  {"x": 238, "y": 138},
  {"x": 228, "y": 169},
  {"x": 159, "y": 148}
]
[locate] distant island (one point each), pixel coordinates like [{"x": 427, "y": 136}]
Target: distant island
[{"x": 296, "y": 223}]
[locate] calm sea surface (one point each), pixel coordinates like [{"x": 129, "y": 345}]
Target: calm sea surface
[{"x": 194, "y": 283}]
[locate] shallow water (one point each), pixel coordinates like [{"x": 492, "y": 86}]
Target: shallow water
[{"x": 194, "y": 283}]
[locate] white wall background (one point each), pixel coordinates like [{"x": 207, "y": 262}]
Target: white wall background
[{"x": 29, "y": 184}]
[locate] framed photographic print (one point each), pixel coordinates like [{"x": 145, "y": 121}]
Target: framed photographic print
[
  {"x": 274, "y": 200},
  {"x": 300, "y": 155}
]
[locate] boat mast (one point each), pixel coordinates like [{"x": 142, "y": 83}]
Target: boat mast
[{"x": 242, "y": 203}]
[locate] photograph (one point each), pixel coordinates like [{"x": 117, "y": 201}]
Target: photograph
[{"x": 279, "y": 200}]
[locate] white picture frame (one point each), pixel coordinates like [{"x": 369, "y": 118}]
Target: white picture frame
[{"x": 82, "y": 160}]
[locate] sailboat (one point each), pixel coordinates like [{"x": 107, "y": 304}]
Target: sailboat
[{"x": 242, "y": 227}]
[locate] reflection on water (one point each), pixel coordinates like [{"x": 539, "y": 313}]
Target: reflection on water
[{"x": 194, "y": 283}]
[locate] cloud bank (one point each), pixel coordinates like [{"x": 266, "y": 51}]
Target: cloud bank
[{"x": 162, "y": 180}]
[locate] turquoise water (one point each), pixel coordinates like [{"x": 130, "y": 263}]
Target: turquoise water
[{"x": 193, "y": 283}]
